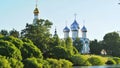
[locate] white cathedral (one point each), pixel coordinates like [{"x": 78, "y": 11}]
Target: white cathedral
[{"x": 75, "y": 32}]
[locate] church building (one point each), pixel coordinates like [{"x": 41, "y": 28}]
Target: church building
[{"x": 74, "y": 29}]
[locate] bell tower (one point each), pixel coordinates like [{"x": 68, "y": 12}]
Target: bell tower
[{"x": 36, "y": 13}]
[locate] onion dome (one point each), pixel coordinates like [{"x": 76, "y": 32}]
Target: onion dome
[
  {"x": 84, "y": 29},
  {"x": 55, "y": 33},
  {"x": 75, "y": 25},
  {"x": 66, "y": 29},
  {"x": 36, "y": 11}
]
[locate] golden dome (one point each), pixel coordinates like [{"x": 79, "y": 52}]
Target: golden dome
[{"x": 36, "y": 11}]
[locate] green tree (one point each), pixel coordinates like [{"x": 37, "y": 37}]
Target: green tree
[
  {"x": 14, "y": 33},
  {"x": 15, "y": 63},
  {"x": 80, "y": 60},
  {"x": 17, "y": 42},
  {"x": 54, "y": 63},
  {"x": 9, "y": 50},
  {"x": 112, "y": 43},
  {"x": 30, "y": 50},
  {"x": 56, "y": 41},
  {"x": 39, "y": 33},
  {"x": 65, "y": 63},
  {"x": 68, "y": 42},
  {"x": 77, "y": 44},
  {"x": 4, "y": 62},
  {"x": 4, "y": 32},
  {"x": 94, "y": 60},
  {"x": 60, "y": 52},
  {"x": 96, "y": 47},
  {"x": 63, "y": 43},
  {"x": 32, "y": 63},
  {"x": 69, "y": 46}
]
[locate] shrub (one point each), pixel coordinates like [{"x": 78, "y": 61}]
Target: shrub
[
  {"x": 117, "y": 60},
  {"x": 80, "y": 60},
  {"x": 9, "y": 50},
  {"x": 4, "y": 62},
  {"x": 45, "y": 64},
  {"x": 60, "y": 53},
  {"x": 32, "y": 63},
  {"x": 15, "y": 63},
  {"x": 110, "y": 62},
  {"x": 30, "y": 50},
  {"x": 65, "y": 63},
  {"x": 54, "y": 63},
  {"x": 96, "y": 60},
  {"x": 17, "y": 42}
]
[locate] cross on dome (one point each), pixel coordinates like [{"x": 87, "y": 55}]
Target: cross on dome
[{"x": 75, "y": 15}]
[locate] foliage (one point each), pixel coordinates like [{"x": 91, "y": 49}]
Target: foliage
[
  {"x": 4, "y": 32},
  {"x": 56, "y": 41},
  {"x": 64, "y": 50},
  {"x": 116, "y": 59},
  {"x": 30, "y": 50},
  {"x": 63, "y": 43},
  {"x": 39, "y": 33},
  {"x": 45, "y": 64},
  {"x": 95, "y": 47},
  {"x": 61, "y": 63},
  {"x": 110, "y": 62},
  {"x": 60, "y": 52},
  {"x": 65, "y": 63},
  {"x": 80, "y": 60},
  {"x": 77, "y": 44},
  {"x": 9, "y": 50},
  {"x": 14, "y": 33},
  {"x": 54, "y": 63},
  {"x": 4, "y": 62},
  {"x": 15, "y": 63},
  {"x": 112, "y": 44},
  {"x": 32, "y": 63},
  {"x": 96, "y": 60},
  {"x": 68, "y": 42},
  {"x": 17, "y": 42}
]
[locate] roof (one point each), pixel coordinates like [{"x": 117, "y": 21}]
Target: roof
[
  {"x": 66, "y": 29},
  {"x": 36, "y": 11},
  {"x": 84, "y": 29},
  {"x": 74, "y": 25}
]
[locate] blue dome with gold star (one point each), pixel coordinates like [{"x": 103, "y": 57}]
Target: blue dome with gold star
[
  {"x": 66, "y": 29},
  {"x": 75, "y": 26}
]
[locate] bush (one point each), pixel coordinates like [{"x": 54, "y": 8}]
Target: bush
[
  {"x": 30, "y": 50},
  {"x": 65, "y": 63},
  {"x": 54, "y": 63},
  {"x": 32, "y": 63},
  {"x": 110, "y": 62},
  {"x": 9, "y": 50},
  {"x": 4, "y": 62},
  {"x": 15, "y": 63},
  {"x": 96, "y": 60},
  {"x": 80, "y": 60},
  {"x": 117, "y": 60},
  {"x": 60, "y": 53},
  {"x": 17, "y": 42},
  {"x": 45, "y": 64}
]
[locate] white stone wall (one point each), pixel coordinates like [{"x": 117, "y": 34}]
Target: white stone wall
[
  {"x": 83, "y": 34},
  {"x": 66, "y": 34},
  {"x": 74, "y": 34}
]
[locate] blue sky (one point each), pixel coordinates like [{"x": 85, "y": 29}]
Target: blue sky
[{"x": 101, "y": 16}]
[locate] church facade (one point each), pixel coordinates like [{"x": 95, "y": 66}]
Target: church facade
[{"x": 74, "y": 29}]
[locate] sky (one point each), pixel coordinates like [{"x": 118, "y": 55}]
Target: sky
[{"x": 100, "y": 16}]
